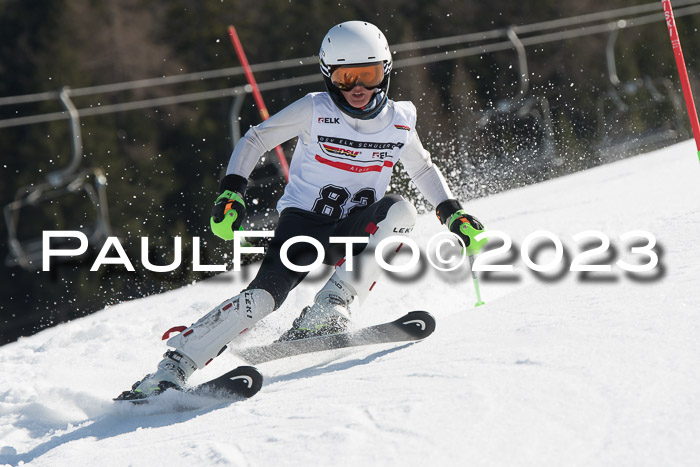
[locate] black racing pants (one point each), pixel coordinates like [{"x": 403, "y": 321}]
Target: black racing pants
[{"x": 274, "y": 277}]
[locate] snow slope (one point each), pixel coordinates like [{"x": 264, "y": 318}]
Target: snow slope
[{"x": 553, "y": 370}]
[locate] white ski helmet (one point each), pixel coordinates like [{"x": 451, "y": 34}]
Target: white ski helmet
[{"x": 361, "y": 50}]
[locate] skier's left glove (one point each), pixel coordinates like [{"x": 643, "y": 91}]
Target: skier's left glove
[
  {"x": 464, "y": 225},
  {"x": 229, "y": 207}
]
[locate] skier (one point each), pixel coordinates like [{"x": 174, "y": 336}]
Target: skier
[{"x": 350, "y": 137}]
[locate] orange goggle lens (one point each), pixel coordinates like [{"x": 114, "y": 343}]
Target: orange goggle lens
[{"x": 348, "y": 76}]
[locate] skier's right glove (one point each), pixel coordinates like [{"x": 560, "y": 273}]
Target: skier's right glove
[
  {"x": 464, "y": 225},
  {"x": 229, "y": 207}
]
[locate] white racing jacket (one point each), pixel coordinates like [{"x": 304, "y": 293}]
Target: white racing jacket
[{"x": 341, "y": 163}]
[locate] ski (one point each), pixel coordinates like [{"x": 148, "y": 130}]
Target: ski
[
  {"x": 241, "y": 382},
  {"x": 246, "y": 381},
  {"x": 413, "y": 326}
]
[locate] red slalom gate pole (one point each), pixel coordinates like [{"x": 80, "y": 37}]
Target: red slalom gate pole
[
  {"x": 682, "y": 71},
  {"x": 256, "y": 93}
]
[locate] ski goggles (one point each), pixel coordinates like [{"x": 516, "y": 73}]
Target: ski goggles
[{"x": 346, "y": 77}]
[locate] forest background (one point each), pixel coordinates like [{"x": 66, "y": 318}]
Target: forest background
[{"x": 162, "y": 165}]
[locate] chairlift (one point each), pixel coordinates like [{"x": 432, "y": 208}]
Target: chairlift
[
  {"x": 637, "y": 115},
  {"x": 79, "y": 196},
  {"x": 516, "y": 135}
]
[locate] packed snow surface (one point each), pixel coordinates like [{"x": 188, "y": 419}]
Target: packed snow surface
[{"x": 558, "y": 368}]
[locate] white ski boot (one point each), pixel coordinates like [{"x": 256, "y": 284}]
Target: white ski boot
[
  {"x": 329, "y": 314},
  {"x": 200, "y": 343},
  {"x": 172, "y": 372}
]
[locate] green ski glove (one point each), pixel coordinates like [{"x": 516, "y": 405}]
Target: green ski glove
[
  {"x": 464, "y": 225},
  {"x": 227, "y": 214},
  {"x": 467, "y": 227}
]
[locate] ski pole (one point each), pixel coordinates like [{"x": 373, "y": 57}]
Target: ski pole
[
  {"x": 682, "y": 71},
  {"x": 256, "y": 93},
  {"x": 475, "y": 279}
]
